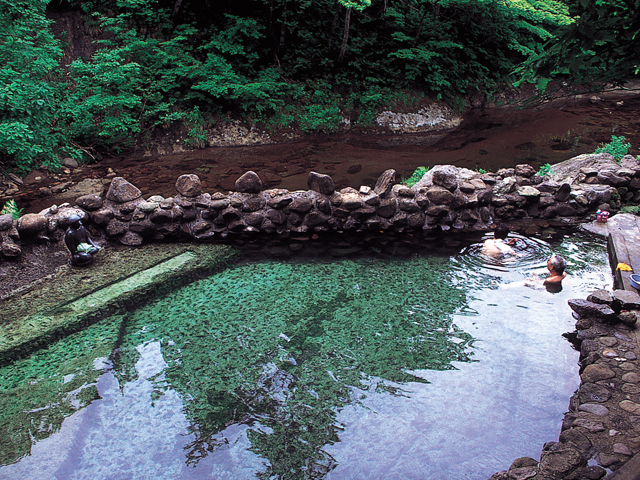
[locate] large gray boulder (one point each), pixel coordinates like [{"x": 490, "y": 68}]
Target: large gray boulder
[{"x": 121, "y": 191}]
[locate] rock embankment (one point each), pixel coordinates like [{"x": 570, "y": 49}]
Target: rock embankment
[
  {"x": 601, "y": 430},
  {"x": 447, "y": 199}
]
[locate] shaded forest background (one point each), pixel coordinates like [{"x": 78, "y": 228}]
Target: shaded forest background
[{"x": 304, "y": 64}]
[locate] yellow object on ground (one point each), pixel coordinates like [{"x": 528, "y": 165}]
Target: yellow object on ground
[{"x": 624, "y": 267}]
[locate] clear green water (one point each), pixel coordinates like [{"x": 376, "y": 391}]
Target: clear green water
[{"x": 415, "y": 367}]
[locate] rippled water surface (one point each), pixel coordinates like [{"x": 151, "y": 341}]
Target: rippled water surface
[{"x": 422, "y": 366}]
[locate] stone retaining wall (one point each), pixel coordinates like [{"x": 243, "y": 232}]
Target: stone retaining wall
[
  {"x": 601, "y": 430},
  {"x": 447, "y": 199}
]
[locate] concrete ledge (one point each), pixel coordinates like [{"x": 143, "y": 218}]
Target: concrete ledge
[{"x": 119, "y": 282}]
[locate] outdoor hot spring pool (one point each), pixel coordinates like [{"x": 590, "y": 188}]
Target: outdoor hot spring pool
[{"x": 413, "y": 367}]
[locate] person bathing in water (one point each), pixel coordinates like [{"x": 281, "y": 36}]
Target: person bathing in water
[
  {"x": 556, "y": 265},
  {"x": 553, "y": 283},
  {"x": 498, "y": 245}
]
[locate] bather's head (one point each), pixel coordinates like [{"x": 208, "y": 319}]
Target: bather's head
[
  {"x": 502, "y": 231},
  {"x": 556, "y": 264}
]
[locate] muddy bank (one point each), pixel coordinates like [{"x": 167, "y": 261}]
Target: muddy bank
[{"x": 489, "y": 137}]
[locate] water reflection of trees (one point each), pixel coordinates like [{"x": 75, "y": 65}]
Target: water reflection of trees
[
  {"x": 281, "y": 348},
  {"x": 39, "y": 392}
]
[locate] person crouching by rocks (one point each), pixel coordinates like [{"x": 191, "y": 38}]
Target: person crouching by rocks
[{"x": 79, "y": 243}]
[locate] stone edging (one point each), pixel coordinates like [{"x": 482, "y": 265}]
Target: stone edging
[
  {"x": 603, "y": 422},
  {"x": 448, "y": 199}
]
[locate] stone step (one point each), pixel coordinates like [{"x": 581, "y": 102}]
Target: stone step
[{"x": 129, "y": 290}]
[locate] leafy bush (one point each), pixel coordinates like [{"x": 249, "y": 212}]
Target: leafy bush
[
  {"x": 415, "y": 177},
  {"x": 634, "y": 209},
  {"x": 11, "y": 208},
  {"x": 276, "y": 62},
  {"x": 545, "y": 170},
  {"x": 618, "y": 147},
  {"x": 29, "y": 95}
]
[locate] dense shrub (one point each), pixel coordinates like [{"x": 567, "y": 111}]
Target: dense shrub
[{"x": 281, "y": 62}]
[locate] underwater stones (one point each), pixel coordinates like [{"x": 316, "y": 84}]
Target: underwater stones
[
  {"x": 121, "y": 191},
  {"x": 385, "y": 182},
  {"x": 89, "y": 202},
  {"x": 320, "y": 183},
  {"x": 250, "y": 182},
  {"x": 189, "y": 185}
]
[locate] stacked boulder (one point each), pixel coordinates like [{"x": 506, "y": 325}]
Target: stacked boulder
[
  {"x": 446, "y": 199},
  {"x": 603, "y": 422}
]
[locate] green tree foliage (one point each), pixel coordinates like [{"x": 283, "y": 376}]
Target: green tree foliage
[
  {"x": 601, "y": 46},
  {"x": 29, "y": 58},
  {"x": 285, "y": 62}
]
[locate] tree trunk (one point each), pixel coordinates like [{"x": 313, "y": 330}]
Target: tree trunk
[
  {"x": 283, "y": 31},
  {"x": 176, "y": 8},
  {"x": 345, "y": 35},
  {"x": 333, "y": 26},
  {"x": 436, "y": 16}
]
